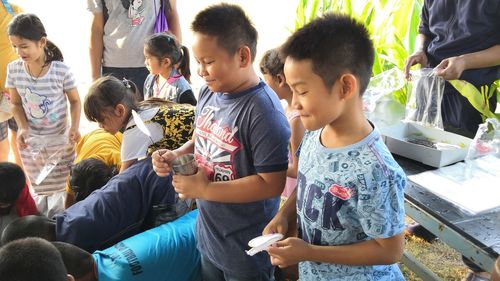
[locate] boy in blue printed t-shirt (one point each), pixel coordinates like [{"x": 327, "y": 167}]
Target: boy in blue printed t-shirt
[
  {"x": 240, "y": 143},
  {"x": 349, "y": 198}
]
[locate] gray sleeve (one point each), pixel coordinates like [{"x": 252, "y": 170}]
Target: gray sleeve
[{"x": 94, "y": 6}]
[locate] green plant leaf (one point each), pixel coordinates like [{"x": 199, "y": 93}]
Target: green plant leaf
[{"x": 474, "y": 96}]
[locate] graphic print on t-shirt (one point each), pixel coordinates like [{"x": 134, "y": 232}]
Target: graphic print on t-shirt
[
  {"x": 216, "y": 146},
  {"x": 135, "y": 12},
  {"x": 38, "y": 105}
]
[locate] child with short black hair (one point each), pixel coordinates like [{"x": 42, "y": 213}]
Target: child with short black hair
[
  {"x": 88, "y": 175},
  {"x": 271, "y": 66},
  {"x": 168, "y": 64},
  {"x": 32, "y": 259},
  {"x": 240, "y": 144},
  {"x": 15, "y": 197},
  {"x": 349, "y": 201},
  {"x": 110, "y": 103}
]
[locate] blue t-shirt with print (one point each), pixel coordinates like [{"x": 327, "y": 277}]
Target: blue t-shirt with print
[
  {"x": 238, "y": 135},
  {"x": 348, "y": 195}
]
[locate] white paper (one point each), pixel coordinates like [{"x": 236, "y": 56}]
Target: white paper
[
  {"x": 261, "y": 243},
  {"x": 140, "y": 124},
  {"x": 473, "y": 186}
]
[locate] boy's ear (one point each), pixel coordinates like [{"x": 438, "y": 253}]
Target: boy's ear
[
  {"x": 349, "y": 86},
  {"x": 281, "y": 79},
  {"x": 244, "y": 56},
  {"x": 70, "y": 277}
]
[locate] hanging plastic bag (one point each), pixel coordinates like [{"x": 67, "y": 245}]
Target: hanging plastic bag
[
  {"x": 46, "y": 152},
  {"x": 379, "y": 104},
  {"x": 380, "y": 85},
  {"x": 424, "y": 105}
]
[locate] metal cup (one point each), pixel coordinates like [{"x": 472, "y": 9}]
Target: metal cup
[{"x": 185, "y": 165}]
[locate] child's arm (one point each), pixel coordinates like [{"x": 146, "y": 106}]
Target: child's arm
[
  {"x": 372, "y": 252},
  {"x": 297, "y": 130},
  {"x": 285, "y": 218},
  {"x": 19, "y": 116},
  {"x": 75, "y": 107},
  {"x": 96, "y": 44},
  {"x": 243, "y": 190}
]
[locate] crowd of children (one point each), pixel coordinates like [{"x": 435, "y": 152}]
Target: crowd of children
[{"x": 342, "y": 209}]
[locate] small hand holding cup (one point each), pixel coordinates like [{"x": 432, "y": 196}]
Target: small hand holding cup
[
  {"x": 184, "y": 165},
  {"x": 162, "y": 160}
]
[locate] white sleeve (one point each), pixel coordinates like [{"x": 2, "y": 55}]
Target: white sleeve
[{"x": 134, "y": 145}]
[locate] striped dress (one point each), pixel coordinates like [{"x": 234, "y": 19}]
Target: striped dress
[{"x": 49, "y": 155}]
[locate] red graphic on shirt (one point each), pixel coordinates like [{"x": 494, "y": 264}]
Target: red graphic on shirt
[
  {"x": 215, "y": 146},
  {"x": 341, "y": 192}
]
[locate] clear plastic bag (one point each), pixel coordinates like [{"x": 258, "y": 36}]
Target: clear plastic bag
[
  {"x": 46, "y": 152},
  {"x": 424, "y": 105},
  {"x": 486, "y": 141},
  {"x": 380, "y": 85}
]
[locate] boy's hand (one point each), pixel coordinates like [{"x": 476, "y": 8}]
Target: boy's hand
[
  {"x": 193, "y": 186},
  {"x": 73, "y": 136},
  {"x": 288, "y": 252},
  {"x": 451, "y": 68},
  {"x": 418, "y": 57},
  {"x": 22, "y": 134},
  {"x": 161, "y": 161},
  {"x": 278, "y": 224}
]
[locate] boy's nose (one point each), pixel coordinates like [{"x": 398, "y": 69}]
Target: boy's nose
[
  {"x": 202, "y": 70},
  {"x": 295, "y": 102}
]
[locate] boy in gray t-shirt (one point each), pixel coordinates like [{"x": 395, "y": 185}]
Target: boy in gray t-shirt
[{"x": 240, "y": 145}]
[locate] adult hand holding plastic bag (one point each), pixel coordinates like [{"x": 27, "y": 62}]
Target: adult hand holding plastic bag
[{"x": 424, "y": 104}]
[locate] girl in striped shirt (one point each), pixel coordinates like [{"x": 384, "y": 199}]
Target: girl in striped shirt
[{"x": 40, "y": 85}]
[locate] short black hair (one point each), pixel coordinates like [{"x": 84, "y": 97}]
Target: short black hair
[
  {"x": 78, "y": 262},
  {"x": 271, "y": 63},
  {"x": 29, "y": 226},
  {"x": 31, "y": 259},
  {"x": 12, "y": 181},
  {"x": 230, "y": 25},
  {"x": 334, "y": 43},
  {"x": 88, "y": 175}
]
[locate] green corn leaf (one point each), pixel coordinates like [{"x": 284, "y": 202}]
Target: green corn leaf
[
  {"x": 313, "y": 10},
  {"x": 475, "y": 97}
]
